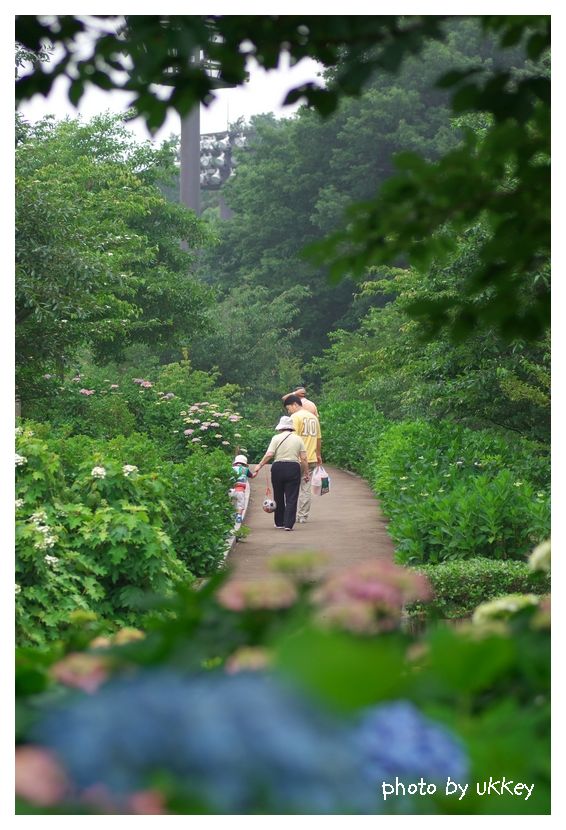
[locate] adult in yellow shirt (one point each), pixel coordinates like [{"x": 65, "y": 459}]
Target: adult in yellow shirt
[
  {"x": 301, "y": 393},
  {"x": 307, "y": 427}
]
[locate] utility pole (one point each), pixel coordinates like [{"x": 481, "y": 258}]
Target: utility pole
[{"x": 190, "y": 154}]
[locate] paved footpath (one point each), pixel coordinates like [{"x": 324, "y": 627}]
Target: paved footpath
[{"x": 346, "y": 524}]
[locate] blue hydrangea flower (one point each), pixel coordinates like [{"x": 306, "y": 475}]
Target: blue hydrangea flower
[
  {"x": 397, "y": 740},
  {"x": 242, "y": 743}
]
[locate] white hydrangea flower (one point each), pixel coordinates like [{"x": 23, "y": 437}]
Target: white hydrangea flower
[
  {"x": 19, "y": 503},
  {"x": 51, "y": 560},
  {"x": 47, "y": 538},
  {"x": 20, "y": 460},
  {"x": 98, "y": 472},
  {"x": 539, "y": 560},
  {"x": 18, "y": 430},
  {"x": 39, "y": 518},
  {"x": 129, "y": 468},
  {"x": 503, "y": 607},
  {"x": 18, "y": 588}
]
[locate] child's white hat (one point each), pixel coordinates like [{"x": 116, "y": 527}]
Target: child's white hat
[{"x": 240, "y": 459}]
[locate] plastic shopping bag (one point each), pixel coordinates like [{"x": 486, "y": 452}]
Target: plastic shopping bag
[{"x": 320, "y": 484}]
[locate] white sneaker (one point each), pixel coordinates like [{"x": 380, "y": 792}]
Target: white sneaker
[{"x": 301, "y": 521}]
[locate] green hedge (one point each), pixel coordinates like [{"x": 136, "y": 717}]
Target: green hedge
[
  {"x": 200, "y": 509},
  {"x": 350, "y": 432},
  {"x": 449, "y": 492},
  {"x": 462, "y": 585}
]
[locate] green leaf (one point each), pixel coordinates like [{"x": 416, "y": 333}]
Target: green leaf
[{"x": 348, "y": 671}]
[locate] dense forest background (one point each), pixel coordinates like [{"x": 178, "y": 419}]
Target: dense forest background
[{"x": 244, "y": 301}]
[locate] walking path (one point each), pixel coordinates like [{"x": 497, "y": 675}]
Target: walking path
[{"x": 347, "y": 525}]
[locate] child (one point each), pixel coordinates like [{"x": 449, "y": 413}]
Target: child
[{"x": 238, "y": 494}]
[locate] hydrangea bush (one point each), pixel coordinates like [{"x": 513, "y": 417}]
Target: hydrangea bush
[
  {"x": 220, "y": 708},
  {"x": 96, "y": 544},
  {"x": 448, "y": 492}
]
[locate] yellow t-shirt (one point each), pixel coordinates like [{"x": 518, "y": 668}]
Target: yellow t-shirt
[{"x": 307, "y": 426}]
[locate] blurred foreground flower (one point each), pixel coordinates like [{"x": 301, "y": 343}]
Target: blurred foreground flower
[
  {"x": 503, "y": 607},
  {"x": 542, "y": 617},
  {"x": 82, "y": 671},
  {"x": 369, "y": 597},
  {"x": 241, "y": 744},
  {"x": 271, "y": 592},
  {"x": 39, "y": 777},
  {"x": 397, "y": 740},
  {"x": 127, "y": 635},
  {"x": 248, "y": 658},
  {"x": 539, "y": 560}
]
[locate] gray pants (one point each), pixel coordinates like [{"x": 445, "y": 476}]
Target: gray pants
[{"x": 305, "y": 494}]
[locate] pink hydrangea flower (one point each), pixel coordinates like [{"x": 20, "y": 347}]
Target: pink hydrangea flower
[
  {"x": 146, "y": 384},
  {"x": 39, "y": 777},
  {"x": 355, "y": 616},
  {"x": 86, "y": 391},
  {"x": 147, "y": 803},
  {"x": 271, "y": 592},
  {"x": 368, "y": 597},
  {"x": 188, "y": 432},
  {"x": 82, "y": 671}
]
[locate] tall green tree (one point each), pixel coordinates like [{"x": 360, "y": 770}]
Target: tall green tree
[
  {"x": 391, "y": 361},
  {"x": 296, "y": 177},
  {"x": 99, "y": 261}
]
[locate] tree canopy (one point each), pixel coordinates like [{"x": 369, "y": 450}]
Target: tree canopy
[
  {"x": 500, "y": 176},
  {"x": 97, "y": 246}
]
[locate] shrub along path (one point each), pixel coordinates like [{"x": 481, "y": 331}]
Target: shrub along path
[{"x": 347, "y": 525}]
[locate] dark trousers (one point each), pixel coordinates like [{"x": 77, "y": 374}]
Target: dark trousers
[{"x": 286, "y": 481}]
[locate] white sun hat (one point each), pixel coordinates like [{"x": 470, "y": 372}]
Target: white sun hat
[
  {"x": 240, "y": 459},
  {"x": 285, "y": 422}
]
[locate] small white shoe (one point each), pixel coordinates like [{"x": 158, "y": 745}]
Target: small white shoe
[{"x": 301, "y": 521}]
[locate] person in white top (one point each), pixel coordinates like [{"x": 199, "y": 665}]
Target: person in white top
[
  {"x": 301, "y": 392},
  {"x": 288, "y": 458}
]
